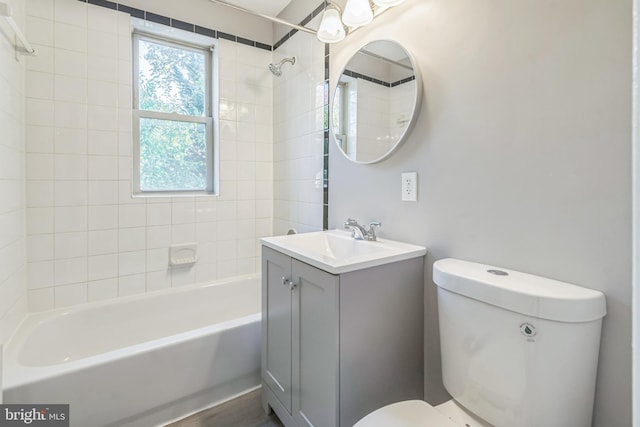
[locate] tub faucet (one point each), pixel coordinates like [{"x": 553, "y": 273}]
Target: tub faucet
[{"x": 359, "y": 232}]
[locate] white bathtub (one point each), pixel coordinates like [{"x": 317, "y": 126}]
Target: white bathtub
[{"x": 142, "y": 360}]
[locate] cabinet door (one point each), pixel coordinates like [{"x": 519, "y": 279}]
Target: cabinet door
[
  {"x": 315, "y": 346},
  {"x": 276, "y": 324}
]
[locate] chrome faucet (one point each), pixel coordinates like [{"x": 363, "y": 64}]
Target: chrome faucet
[{"x": 359, "y": 232}]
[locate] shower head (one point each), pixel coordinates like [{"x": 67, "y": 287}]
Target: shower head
[{"x": 276, "y": 69}]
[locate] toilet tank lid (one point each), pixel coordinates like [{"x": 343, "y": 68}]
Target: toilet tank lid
[{"x": 520, "y": 292}]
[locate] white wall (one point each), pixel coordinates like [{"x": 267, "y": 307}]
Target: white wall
[
  {"x": 299, "y": 136},
  {"x": 12, "y": 188},
  {"x": 88, "y": 238},
  {"x": 523, "y": 154}
]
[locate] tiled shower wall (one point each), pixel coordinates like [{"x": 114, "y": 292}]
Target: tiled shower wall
[
  {"x": 13, "y": 304},
  {"x": 88, "y": 238},
  {"x": 299, "y": 124},
  {"x": 382, "y": 116}
]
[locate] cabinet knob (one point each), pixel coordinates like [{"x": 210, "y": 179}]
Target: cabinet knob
[
  {"x": 292, "y": 285},
  {"x": 285, "y": 281}
]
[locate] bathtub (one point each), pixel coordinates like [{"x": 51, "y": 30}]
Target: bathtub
[{"x": 142, "y": 360}]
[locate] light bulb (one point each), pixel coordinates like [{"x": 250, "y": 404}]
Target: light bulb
[
  {"x": 387, "y": 3},
  {"x": 357, "y": 13},
  {"x": 331, "y": 29}
]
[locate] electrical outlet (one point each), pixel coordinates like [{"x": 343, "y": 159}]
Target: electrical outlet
[{"x": 410, "y": 186}]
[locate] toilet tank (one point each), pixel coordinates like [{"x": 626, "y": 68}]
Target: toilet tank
[{"x": 517, "y": 349}]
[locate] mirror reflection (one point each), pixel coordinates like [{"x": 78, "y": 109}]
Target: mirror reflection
[{"x": 374, "y": 102}]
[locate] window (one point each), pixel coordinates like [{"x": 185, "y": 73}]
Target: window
[{"x": 172, "y": 116}]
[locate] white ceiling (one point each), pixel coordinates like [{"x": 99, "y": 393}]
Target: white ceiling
[{"x": 266, "y": 7}]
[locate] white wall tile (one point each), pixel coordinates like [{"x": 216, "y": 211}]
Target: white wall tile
[
  {"x": 159, "y": 214},
  {"x": 102, "y": 217},
  {"x": 68, "y": 219},
  {"x": 102, "y": 267},
  {"x": 103, "y": 193},
  {"x": 132, "y": 215},
  {"x": 132, "y": 239},
  {"x": 102, "y": 68},
  {"x": 101, "y": 242},
  {"x": 40, "y": 220},
  {"x": 70, "y": 12},
  {"x": 70, "y": 37},
  {"x": 131, "y": 263},
  {"x": 70, "y": 193},
  {"x": 69, "y": 295},
  {"x": 67, "y": 271},
  {"x": 39, "y": 85},
  {"x": 40, "y": 274},
  {"x": 103, "y": 93},
  {"x": 183, "y": 213},
  {"x": 183, "y": 276},
  {"x": 40, "y": 31},
  {"x": 40, "y": 166},
  {"x": 70, "y": 115},
  {"x": 40, "y": 247},
  {"x": 158, "y": 237},
  {"x": 103, "y": 167},
  {"x": 102, "y": 19},
  {"x": 157, "y": 259},
  {"x": 43, "y": 61},
  {"x": 102, "y": 289},
  {"x": 131, "y": 285},
  {"x": 70, "y": 63},
  {"x": 39, "y": 139},
  {"x": 70, "y": 245},
  {"x": 40, "y": 8},
  {"x": 40, "y": 194},
  {"x": 70, "y": 89},
  {"x": 41, "y": 299},
  {"x": 70, "y": 141},
  {"x": 158, "y": 280}
]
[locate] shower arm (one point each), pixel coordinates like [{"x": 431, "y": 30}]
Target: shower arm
[{"x": 270, "y": 18}]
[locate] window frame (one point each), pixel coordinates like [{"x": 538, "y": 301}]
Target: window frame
[{"x": 191, "y": 42}]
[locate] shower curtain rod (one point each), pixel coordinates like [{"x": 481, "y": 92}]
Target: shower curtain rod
[{"x": 270, "y": 18}]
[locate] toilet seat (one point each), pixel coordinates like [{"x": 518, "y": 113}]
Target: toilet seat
[{"x": 410, "y": 413}]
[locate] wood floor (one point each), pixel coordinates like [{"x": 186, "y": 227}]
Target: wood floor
[{"x": 244, "y": 411}]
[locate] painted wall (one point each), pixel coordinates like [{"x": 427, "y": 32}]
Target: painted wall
[
  {"x": 522, "y": 151},
  {"x": 88, "y": 238},
  {"x": 13, "y": 302}
]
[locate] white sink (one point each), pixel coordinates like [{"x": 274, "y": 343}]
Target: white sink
[{"x": 336, "y": 252}]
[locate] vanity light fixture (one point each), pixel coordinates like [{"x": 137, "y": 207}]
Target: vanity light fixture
[
  {"x": 331, "y": 28},
  {"x": 357, "y": 13}
]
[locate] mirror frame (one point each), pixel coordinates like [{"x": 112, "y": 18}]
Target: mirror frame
[{"x": 414, "y": 114}]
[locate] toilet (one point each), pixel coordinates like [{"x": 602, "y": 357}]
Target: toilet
[{"x": 517, "y": 351}]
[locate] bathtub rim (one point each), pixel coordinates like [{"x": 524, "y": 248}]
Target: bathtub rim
[{"x": 16, "y": 375}]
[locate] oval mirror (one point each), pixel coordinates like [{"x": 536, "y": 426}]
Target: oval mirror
[{"x": 376, "y": 101}]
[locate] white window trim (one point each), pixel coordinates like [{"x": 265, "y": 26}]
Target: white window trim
[{"x": 144, "y": 29}]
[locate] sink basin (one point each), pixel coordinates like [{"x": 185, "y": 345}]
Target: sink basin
[{"x": 336, "y": 252}]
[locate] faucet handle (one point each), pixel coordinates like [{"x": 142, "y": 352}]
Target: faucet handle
[{"x": 371, "y": 234}]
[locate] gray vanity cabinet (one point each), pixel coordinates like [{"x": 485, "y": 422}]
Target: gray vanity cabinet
[
  {"x": 336, "y": 347},
  {"x": 276, "y": 325}
]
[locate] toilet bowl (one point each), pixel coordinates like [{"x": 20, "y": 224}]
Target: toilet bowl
[
  {"x": 418, "y": 413},
  {"x": 517, "y": 350}
]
